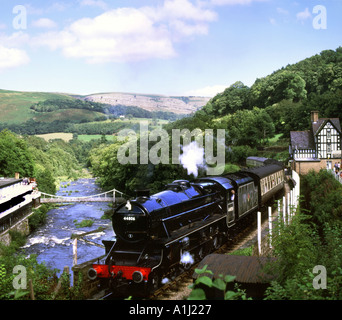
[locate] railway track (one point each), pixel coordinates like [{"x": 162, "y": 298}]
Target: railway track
[{"x": 178, "y": 288}]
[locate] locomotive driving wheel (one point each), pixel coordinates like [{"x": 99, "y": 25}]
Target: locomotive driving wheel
[
  {"x": 217, "y": 242},
  {"x": 201, "y": 253}
]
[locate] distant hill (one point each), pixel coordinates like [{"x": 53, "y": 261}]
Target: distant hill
[
  {"x": 44, "y": 112},
  {"x": 175, "y": 104},
  {"x": 16, "y": 106}
]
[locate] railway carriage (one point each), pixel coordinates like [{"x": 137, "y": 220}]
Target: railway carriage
[
  {"x": 270, "y": 180},
  {"x": 161, "y": 235},
  {"x": 260, "y": 161}
]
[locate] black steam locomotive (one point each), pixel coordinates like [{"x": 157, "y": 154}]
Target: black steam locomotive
[{"x": 160, "y": 235}]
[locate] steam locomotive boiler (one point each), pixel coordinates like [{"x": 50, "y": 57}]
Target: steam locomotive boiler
[{"x": 161, "y": 235}]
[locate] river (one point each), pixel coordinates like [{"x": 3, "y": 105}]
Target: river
[{"x": 52, "y": 242}]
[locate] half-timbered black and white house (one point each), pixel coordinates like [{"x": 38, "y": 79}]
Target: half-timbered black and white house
[{"x": 317, "y": 148}]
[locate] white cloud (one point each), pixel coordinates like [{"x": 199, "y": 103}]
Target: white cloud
[
  {"x": 304, "y": 15},
  {"x": 41, "y": 10},
  {"x": 209, "y": 91},
  {"x": 44, "y": 23},
  {"x": 11, "y": 58},
  {"x": 184, "y": 9},
  {"x": 234, "y": 2},
  {"x": 16, "y": 39},
  {"x": 182, "y": 18},
  {"x": 94, "y": 3},
  {"x": 130, "y": 34},
  {"x": 53, "y": 40}
]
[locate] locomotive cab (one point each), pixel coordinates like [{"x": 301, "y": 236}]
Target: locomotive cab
[{"x": 230, "y": 207}]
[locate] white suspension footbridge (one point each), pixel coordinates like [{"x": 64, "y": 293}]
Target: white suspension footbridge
[{"x": 108, "y": 196}]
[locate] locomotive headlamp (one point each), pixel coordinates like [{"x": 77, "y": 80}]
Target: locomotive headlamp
[
  {"x": 128, "y": 205},
  {"x": 92, "y": 274}
]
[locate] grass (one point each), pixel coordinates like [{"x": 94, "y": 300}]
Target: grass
[
  {"x": 57, "y": 135},
  {"x": 15, "y": 105},
  {"x": 15, "y": 108},
  {"x": 243, "y": 252},
  {"x": 84, "y": 223},
  {"x": 275, "y": 138},
  {"x": 89, "y": 137}
]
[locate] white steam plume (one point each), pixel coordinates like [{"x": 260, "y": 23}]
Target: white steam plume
[
  {"x": 192, "y": 158},
  {"x": 186, "y": 258}
]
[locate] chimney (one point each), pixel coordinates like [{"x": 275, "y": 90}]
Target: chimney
[
  {"x": 142, "y": 193},
  {"x": 314, "y": 116}
]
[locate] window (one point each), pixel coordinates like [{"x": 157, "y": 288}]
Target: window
[{"x": 329, "y": 147}]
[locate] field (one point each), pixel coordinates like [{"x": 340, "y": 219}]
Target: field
[
  {"x": 89, "y": 137},
  {"x": 57, "y": 135},
  {"x": 125, "y": 123},
  {"x": 15, "y": 106},
  {"x": 68, "y": 136}
]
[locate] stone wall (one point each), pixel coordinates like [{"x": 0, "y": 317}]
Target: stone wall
[
  {"x": 21, "y": 226},
  {"x": 304, "y": 167},
  {"x": 89, "y": 287}
]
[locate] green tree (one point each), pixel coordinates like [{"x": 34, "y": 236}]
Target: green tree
[
  {"x": 14, "y": 156},
  {"x": 322, "y": 198},
  {"x": 249, "y": 127},
  {"x": 46, "y": 181},
  {"x": 229, "y": 101},
  {"x": 281, "y": 85},
  {"x": 312, "y": 239}
]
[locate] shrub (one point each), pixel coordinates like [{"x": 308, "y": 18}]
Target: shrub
[
  {"x": 84, "y": 223},
  {"x": 38, "y": 217},
  {"x": 220, "y": 283}
]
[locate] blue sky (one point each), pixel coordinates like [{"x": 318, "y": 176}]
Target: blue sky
[{"x": 171, "y": 47}]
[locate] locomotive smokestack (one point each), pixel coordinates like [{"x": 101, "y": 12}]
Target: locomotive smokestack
[{"x": 142, "y": 193}]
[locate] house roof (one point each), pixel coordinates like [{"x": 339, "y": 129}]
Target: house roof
[
  {"x": 302, "y": 140},
  {"x": 6, "y": 182},
  {"x": 316, "y": 126},
  {"x": 246, "y": 269}
]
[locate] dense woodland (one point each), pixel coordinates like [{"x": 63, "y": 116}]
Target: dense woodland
[
  {"x": 287, "y": 95},
  {"x": 31, "y": 156},
  {"x": 257, "y": 121}
]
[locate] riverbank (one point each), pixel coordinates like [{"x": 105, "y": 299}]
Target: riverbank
[
  {"x": 52, "y": 242},
  {"x": 83, "y": 173},
  {"x": 49, "y": 247}
]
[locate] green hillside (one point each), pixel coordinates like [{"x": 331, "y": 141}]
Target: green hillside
[
  {"x": 40, "y": 113},
  {"x": 15, "y": 105},
  {"x": 286, "y": 97}
]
